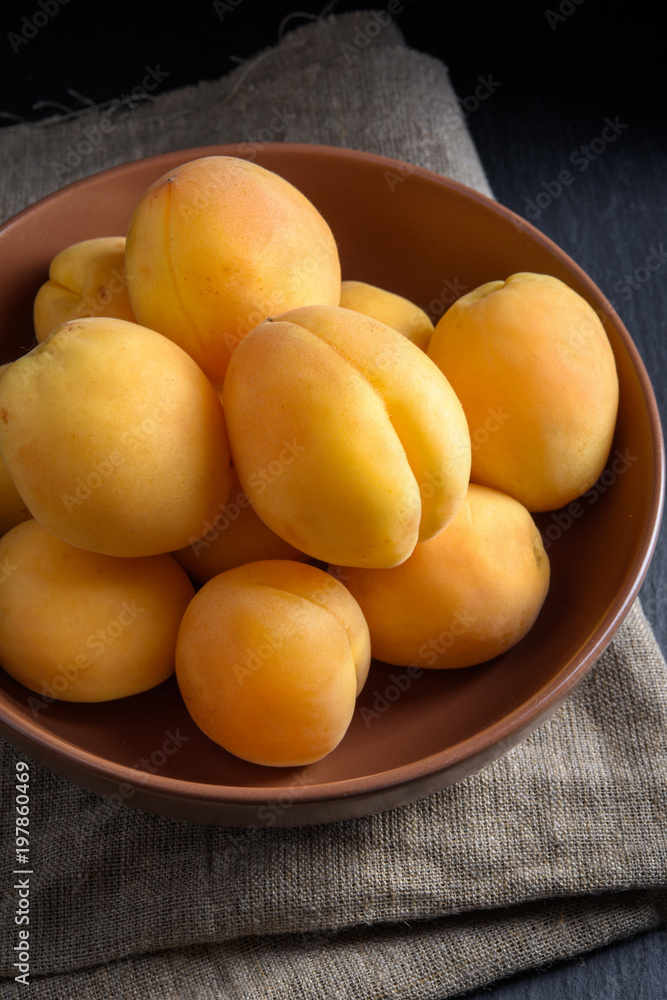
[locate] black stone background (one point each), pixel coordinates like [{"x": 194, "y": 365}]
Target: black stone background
[{"x": 560, "y": 68}]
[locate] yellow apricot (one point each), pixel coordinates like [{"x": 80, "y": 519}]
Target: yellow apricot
[
  {"x": 269, "y": 659},
  {"x": 534, "y": 369},
  {"x": 13, "y": 510},
  {"x": 235, "y": 536},
  {"x": 80, "y": 626},
  {"x": 348, "y": 440},
  {"x": 217, "y": 245},
  {"x": 114, "y": 438},
  {"x": 389, "y": 308},
  {"x": 85, "y": 279},
  {"x": 463, "y": 597}
]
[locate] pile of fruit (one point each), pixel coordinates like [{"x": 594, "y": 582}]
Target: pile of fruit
[{"x": 224, "y": 460}]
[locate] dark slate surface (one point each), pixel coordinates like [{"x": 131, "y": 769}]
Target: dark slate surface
[
  {"x": 636, "y": 969},
  {"x": 556, "y": 71}
]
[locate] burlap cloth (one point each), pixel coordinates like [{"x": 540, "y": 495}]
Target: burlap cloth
[{"x": 557, "y": 848}]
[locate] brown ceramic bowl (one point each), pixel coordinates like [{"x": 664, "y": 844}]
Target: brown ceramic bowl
[{"x": 429, "y": 239}]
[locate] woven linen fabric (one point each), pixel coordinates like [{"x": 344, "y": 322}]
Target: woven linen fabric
[{"x": 558, "y": 847}]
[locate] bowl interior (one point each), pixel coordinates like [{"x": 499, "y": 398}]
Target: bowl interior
[{"x": 431, "y": 240}]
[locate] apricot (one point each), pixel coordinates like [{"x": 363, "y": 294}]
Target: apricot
[
  {"x": 348, "y": 440},
  {"x": 13, "y": 510},
  {"x": 114, "y": 438},
  {"x": 466, "y": 595},
  {"x": 80, "y": 626},
  {"x": 269, "y": 659},
  {"x": 235, "y": 536},
  {"x": 389, "y": 308},
  {"x": 534, "y": 369},
  {"x": 85, "y": 279},
  {"x": 217, "y": 245}
]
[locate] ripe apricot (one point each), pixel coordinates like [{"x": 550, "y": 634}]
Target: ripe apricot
[
  {"x": 389, "y": 308},
  {"x": 269, "y": 660},
  {"x": 530, "y": 359},
  {"x": 13, "y": 510},
  {"x": 80, "y": 626},
  {"x": 114, "y": 438},
  {"x": 235, "y": 536},
  {"x": 462, "y": 597},
  {"x": 217, "y": 245},
  {"x": 85, "y": 279},
  {"x": 349, "y": 441}
]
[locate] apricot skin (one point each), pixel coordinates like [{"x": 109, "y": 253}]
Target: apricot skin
[
  {"x": 269, "y": 659},
  {"x": 219, "y": 244},
  {"x": 13, "y": 510},
  {"x": 348, "y": 440},
  {"x": 114, "y": 438},
  {"x": 80, "y": 626},
  {"x": 234, "y": 537},
  {"x": 394, "y": 310},
  {"x": 85, "y": 279},
  {"x": 531, "y": 356},
  {"x": 463, "y": 597}
]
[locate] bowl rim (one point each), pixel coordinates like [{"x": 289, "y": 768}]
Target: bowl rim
[{"x": 527, "y": 715}]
